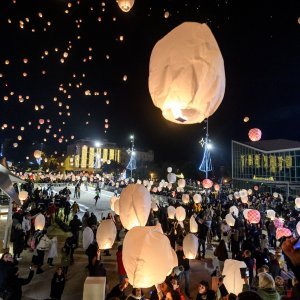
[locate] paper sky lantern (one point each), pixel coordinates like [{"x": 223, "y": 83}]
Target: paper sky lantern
[
  {"x": 230, "y": 220},
  {"x": 245, "y": 200},
  {"x": 254, "y": 134},
  {"x": 87, "y": 237},
  {"x": 197, "y": 198},
  {"x": 207, "y": 183},
  {"x": 234, "y": 210},
  {"x": 275, "y": 195},
  {"x": 154, "y": 206},
  {"x": 255, "y": 188},
  {"x": 169, "y": 170},
  {"x": 278, "y": 223},
  {"x": 246, "y": 119},
  {"x": 186, "y": 74},
  {"x": 180, "y": 213},
  {"x": 41, "y": 121},
  {"x": 217, "y": 187},
  {"x": 23, "y": 195},
  {"x": 253, "y": 216},
  {"x": 232, "y": 280},
  {"x": 243, "y": 193},
  {"x": 249, "y": 192},
  {"x": 37, "y": 154},
  {"x": 171, "y": 177},
  {"x": 190, "y": 246},
  {"x": 271, "y": 214},
  {"x": 169, "y": 186},
  {"x": 298, "y": 228},
  {"x": 171, "y": 212},
  {"x": 236, "y": 195},
  {"x": 230, "y": 196},
  {"x": 125, "y": 5},
  {"x": 106, "y": 234},
  {"x": 135, "y": 205},
  {"x": 113, "y": 199},
  {"x": 297, "y": 202},
  {"x": 185, "y": 198},
  {"x": 39, "y": 222},
  {"x": 147, "y": 256},
  {"x": 193, "y": 225},
  {"x": 181, "y": 183},
  {"x": 282, "y": 232}
]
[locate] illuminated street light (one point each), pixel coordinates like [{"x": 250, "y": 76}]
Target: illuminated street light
[
  {"x": 97, "y": 144},
  {"x": 210, "y": 146}
]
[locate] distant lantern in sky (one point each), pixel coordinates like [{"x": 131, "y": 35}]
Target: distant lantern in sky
[
  {"x": 37, "y": 154},
  {"x": 186, "y": 74},
  {"x": 125, "y": 5},
  {"x": 246, "y": 119},
  {"x": 41, "y": 121},
  {"x": 166, "y": 14},
  {"x": 254, "y": 134},
  {"x": 125, "y": 78}
]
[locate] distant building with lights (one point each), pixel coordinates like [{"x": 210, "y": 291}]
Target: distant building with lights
[
  {"x": 273, "y": 165},
  {"x": 88, "y": 155}
]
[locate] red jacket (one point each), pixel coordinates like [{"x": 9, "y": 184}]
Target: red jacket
[{"x": 121, "y": 269}]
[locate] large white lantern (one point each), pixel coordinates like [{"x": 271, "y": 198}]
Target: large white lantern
[
  {"x": 230, "y": 220},
  {"x": 147, "y": 256},
  {"x": 234, "y": 210},
  {"x": 275, "y": 195},
  {"x": 169, "y": 186},
  {"x": 197, "y": 198},
  {"x": 171, "y": 212},
  {"x": 190, "y": 246},
  {"x": 39, "y": 222},
  {"x": 106, "y": 234},
  {"x": 181, "y": 183},
  {"x": 271, "y": 214},
  {"x": 23, "y": 195},
  {"x": 187, "y": 78},
  {"x": 87, "y": 237},
  {"x": 180, "y": 213},
  {"x": 185, "y": 198},
  {"x": 171, "y": 178},
  {"x": 125, "y": 5},
  {"x": 232, "y": 280},
  {"x": 193, "y": 225},
  {"x": 250, "y": 192},
  {"x": 135, "y": 205},
  {"x": 297, "y": 202}
]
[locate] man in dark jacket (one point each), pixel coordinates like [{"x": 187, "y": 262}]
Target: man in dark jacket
[
  {"x": 202, "y": 234},
  {"x": 75, "y": 226},
  {"x": 250, "y": 264}
]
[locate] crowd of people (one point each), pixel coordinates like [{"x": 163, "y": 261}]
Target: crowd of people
[{"x": 273, "y": 265}]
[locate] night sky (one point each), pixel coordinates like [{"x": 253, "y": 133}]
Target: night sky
[{"x": 100, "y": 44}]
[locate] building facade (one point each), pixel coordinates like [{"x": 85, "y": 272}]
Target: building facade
[
  {"x": 272, "y": 164},
  {"x": 88, "y": 155}
]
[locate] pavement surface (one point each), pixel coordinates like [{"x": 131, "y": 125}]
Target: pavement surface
[{"x": 39, "y": 288}]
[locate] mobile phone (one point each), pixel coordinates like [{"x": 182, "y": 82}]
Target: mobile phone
[
  {"x": 244, "y": 272},
  {"x": 297, "y": 244}
]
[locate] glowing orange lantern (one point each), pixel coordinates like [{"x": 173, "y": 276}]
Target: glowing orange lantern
[
  {"x": 254, "y": 134},
  {"x": 207, "y": 183}
]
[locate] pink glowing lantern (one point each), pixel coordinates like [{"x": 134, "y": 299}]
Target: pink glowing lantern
[
  {"x": 282, "y": 232},
  {"x": 41, "y": 121},
  {"x": 217, "y": 187},
  {"x": 278, "y": 223},
  {"x": 254, "y": 134},
  {"x": 207, "y": 183},
  {"x": 255, "y": 188},
  {"x": 253, "y": 216}
]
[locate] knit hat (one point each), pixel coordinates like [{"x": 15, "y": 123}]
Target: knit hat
[{"x": 266, "y": 281}]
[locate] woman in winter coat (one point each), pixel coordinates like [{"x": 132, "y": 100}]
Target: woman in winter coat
[
  {"x": 52, "y": 251},
  {"x": 18, "y": 241},
  {"x": 57, "y": 284},
  {"x": 221, "y": 253}
]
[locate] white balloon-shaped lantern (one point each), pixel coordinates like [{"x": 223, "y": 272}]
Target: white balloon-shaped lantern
[
  {"x": 271, "y": 214},
  {"x": 171, "y": 212},
  {"x": 187, "y": 78},
  {"x": 87, "y": 237},
  {"x": 39, "y": 222},
  {"x": 193, "y": 225},
  {"x": 171, "y": 178},
  {"x": 297, "y": 202},
  {"x": 154, "y": 206},
  {"x": 147, "y": 256},
  {"x": 106, "y": 234},
  {"x": 275, "y": 195},
  {"x": 234, "y": 210},
  {"x": 169, "y": 186},
  {"x": 250, "y": 192},
  {"x": 190, "y": 246},
  {"x": 125, "y": 5},
  {"x": 180, "y": 213},
  {"x": 230, "y": 220},
  {"x": 197, "y": 198},
  {"x": 181, "y": 183},
  {"x": 236, "y": 195},
  {"x": 23, "y": 195},
  {"x": 135, "y": 205},
  {"x": 243, "y": 193},
  {"x": 185, "y": 198},
  {"x": 169, "y": 169}
]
